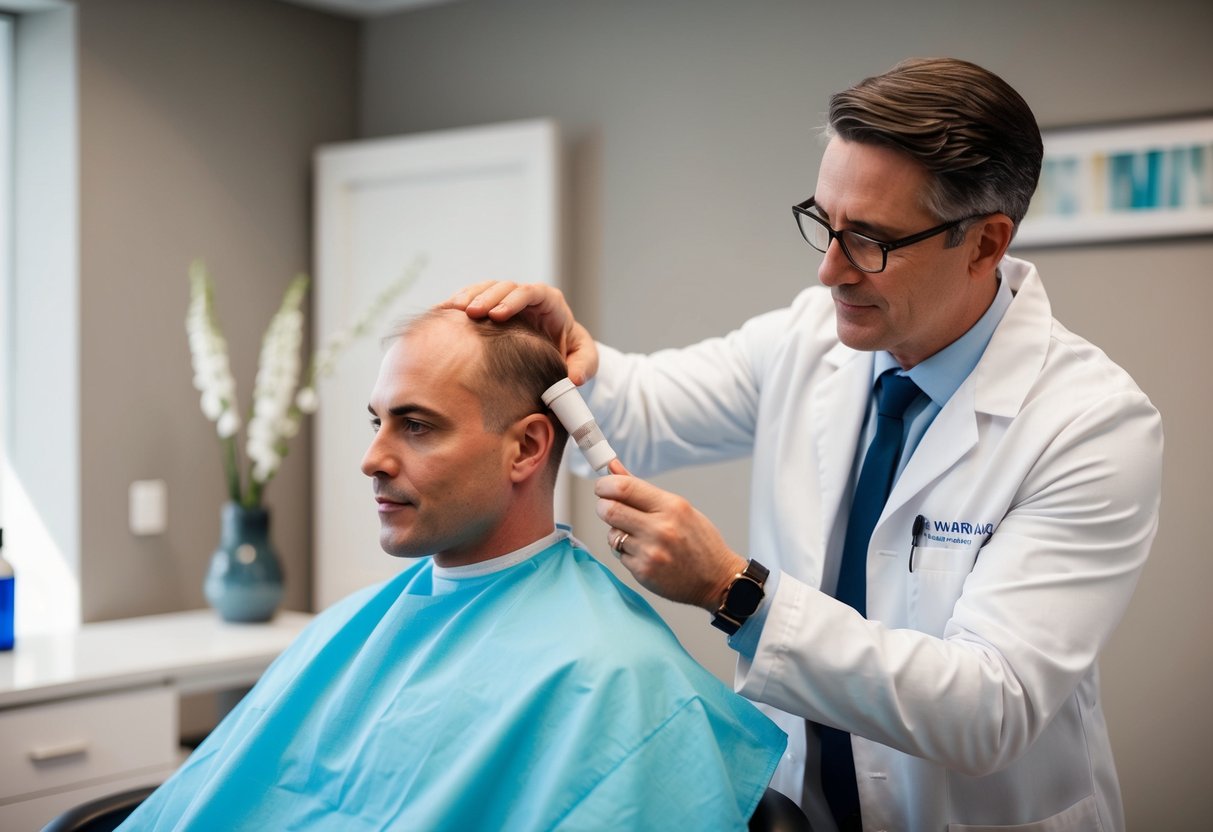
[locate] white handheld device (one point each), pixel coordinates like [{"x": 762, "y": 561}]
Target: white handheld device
[{"x": 565, "y": 401}]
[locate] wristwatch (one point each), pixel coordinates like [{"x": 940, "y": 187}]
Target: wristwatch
[{"x": 742, "y": 598}]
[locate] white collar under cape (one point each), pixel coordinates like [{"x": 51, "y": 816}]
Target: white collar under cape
[{"x": 497, "y": 564}]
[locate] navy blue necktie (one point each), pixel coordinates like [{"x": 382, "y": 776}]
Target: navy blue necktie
[{"x": 875, "y": 482}]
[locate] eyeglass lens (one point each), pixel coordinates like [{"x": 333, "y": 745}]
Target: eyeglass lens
[{"x": 862, "y": 252}]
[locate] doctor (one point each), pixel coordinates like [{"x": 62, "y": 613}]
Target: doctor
[{"x": 931, "y": 650}]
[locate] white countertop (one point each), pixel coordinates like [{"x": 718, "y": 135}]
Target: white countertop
[{"x": 195, "y": 651}]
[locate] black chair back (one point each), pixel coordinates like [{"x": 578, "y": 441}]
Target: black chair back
[
  {"x": 101, "y": 815},
  {"x": 777, "y": 812}
]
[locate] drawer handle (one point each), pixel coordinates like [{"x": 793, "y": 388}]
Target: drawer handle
[{"x": 49, "y": 753}]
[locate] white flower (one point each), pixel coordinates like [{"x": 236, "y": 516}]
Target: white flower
[
  {"x": 277, "y": 376},
  {"x": 208, "y": 349},
  {"x": 307, "y": 401},
  {"x": 228, "y": 424},
  {"x": 277, "y": 408}
]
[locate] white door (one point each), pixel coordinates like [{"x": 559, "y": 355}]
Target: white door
[{"x": 475, "y": 204}]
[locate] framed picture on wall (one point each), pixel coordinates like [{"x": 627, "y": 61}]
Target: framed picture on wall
[{"x": 1103, "y": 183}]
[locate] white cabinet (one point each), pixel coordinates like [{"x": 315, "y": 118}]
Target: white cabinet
[
  {"x": 95, "y": 712},
  {"x": 115, "y": 740},
  {"x": 50, "y": 746}
]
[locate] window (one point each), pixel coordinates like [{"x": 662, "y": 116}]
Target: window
[
  {"x": 6, "y": 247},
  {"x": 39, "y": 368}
]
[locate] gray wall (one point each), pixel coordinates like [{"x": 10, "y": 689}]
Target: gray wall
[
  {"x": 690, "y": 131},
  {"x": 198, "y": 119}
]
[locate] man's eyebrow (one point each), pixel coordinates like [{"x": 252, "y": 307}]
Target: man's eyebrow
[
  {"x": 876, "y": 231},
  {"x": 408, "y": 409}
]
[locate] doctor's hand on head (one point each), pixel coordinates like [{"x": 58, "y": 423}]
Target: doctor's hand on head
[
  {"x": 668, "y": 546},
  {"x": 545, "y": 307}
]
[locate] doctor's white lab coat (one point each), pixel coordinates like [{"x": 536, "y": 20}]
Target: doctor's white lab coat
[{"x": 971, "y": 690}]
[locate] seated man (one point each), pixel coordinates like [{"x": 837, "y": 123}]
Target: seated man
[{"x": 508, "y": 682}]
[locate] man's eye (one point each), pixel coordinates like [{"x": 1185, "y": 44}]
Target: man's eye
[
  {"x": 859, "y": 241},
  {"x": 375, "y": 424},
  {"x": 415, "y": 427}
]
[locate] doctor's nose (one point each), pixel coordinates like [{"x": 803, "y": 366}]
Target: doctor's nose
[{"x": 836, "y": 269}]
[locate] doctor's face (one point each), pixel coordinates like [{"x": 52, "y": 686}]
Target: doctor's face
[
  {"x": 925, "y": 298},
  {"x": 440, "y": 479}
]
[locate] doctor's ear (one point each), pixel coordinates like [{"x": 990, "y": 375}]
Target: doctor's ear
[
  {"x": 534, "y": 437},
  {"x": 990, "y": 238}
]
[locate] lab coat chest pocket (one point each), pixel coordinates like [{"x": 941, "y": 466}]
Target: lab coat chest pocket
[
  {"x": 936, "y": 582},
  {"x": 1083, "y": 816}
]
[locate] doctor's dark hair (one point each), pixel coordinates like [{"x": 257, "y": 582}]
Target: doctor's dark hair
[
  {"x": 971, "y": 130},
  {"x": 518, "y": 362}
]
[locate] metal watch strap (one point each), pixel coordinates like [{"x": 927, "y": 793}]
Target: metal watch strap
[{"x": 730, "y": 620}]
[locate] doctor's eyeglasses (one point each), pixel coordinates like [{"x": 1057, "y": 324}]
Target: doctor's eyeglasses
[{"x": 864, "y": 253}]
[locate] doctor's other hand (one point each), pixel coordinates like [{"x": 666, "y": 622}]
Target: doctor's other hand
[
  {"x": 545, "y": 307},
  {"x": 671, "y": 549}
]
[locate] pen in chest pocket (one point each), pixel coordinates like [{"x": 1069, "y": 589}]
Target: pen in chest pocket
[{"x": 920, "y": 522}]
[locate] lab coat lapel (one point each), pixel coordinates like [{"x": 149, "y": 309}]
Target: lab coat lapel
[
  {"x": 950, "y": 437},
  {"x": 836, "y": 419},
  {"x": 1017, "y": 352},
  {"x": 997, "y": 386}
]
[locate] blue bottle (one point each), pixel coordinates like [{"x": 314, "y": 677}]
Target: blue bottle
[{"x": 7, "y": 596}]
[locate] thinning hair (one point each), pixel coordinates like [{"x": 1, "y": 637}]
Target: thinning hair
[
  {"x": 972, "y": 131},
  {"x": 517, "y": 363}
]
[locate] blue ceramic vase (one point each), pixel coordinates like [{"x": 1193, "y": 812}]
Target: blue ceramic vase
[{"x": 244, "y": 582}]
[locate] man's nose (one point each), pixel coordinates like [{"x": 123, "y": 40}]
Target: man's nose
[
  {"x": 378, "y": 459},
  {"x": 835, "y": 268}
]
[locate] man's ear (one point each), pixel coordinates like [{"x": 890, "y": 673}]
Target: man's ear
[
  {"x": 993, "y": 237},
  {"x": 534, "y": 436}
]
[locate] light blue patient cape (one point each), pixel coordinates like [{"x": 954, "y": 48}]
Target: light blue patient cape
[{"x": 547, "y": 695}]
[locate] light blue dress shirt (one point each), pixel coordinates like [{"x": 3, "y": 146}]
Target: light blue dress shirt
[{"x": 938, "y": 377}]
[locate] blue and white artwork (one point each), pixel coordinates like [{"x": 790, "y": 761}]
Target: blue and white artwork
[{"x": 1145, "y": 180}]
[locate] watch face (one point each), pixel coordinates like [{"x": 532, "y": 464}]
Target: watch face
[{"x": 744, "y": 597}]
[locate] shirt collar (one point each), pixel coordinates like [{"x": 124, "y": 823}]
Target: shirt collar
[
  {"x": 940, "y": 375},
  {"x": 501, "y": 562}
]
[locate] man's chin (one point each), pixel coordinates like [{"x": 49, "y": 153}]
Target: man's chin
[
  {"x": 403, "y": 548},
  {"x": 859, "y": 338}
]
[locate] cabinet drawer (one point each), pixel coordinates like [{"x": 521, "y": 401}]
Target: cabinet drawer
[{"x": 64, "y": 743}]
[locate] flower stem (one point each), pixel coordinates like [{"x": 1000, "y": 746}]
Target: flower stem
[
  {"x": 254, "y": 494},
  {"x": 231, "y": 468}
]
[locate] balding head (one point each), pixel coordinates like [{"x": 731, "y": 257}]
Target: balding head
[{"x": 516, "y": 363}]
